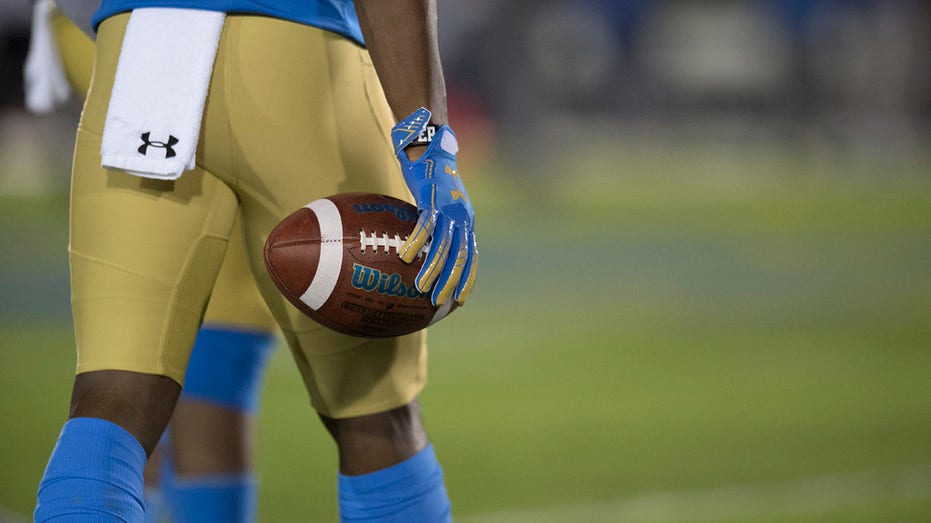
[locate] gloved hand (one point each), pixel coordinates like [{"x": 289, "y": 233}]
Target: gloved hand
[{"x": 446, "y": 214}]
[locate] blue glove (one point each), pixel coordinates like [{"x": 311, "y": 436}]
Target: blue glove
[{"x": 446, "y": 215}]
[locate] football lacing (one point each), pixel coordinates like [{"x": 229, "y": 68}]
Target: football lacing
[{"x": 385, "y": 242}]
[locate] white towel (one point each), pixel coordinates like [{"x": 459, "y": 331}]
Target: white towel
[
  {"x": 43, "y": 74},
  {"x": 157, "y": 102}
]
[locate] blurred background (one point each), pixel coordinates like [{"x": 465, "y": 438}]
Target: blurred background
[{"x": 705, "y": 292}]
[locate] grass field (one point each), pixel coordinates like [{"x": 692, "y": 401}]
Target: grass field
[{"x": 647, "y": 351}]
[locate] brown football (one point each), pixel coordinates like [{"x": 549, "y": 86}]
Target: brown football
[{"x": 336, "y": 259}]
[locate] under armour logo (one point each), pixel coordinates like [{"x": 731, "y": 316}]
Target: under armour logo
[{"x": 146, "y": 143}]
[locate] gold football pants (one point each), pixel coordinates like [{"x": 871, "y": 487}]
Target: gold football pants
[
  {"x": 293, "y": 114},
  {"x": 235, "y": 301}
]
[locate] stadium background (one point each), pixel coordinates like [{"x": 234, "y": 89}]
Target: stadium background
[{"x": 706, "y": 282}]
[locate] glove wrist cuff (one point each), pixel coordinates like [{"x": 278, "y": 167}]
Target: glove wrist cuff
[
  {"x": 416, "y": 129},
  {"x": 425, "y": 137}
]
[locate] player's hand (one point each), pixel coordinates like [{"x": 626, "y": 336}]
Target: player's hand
[{"x": 446, "y": 213}]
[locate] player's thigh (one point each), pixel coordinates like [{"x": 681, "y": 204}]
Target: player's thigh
[
  {"x": 345, "y": 376},
  {"x": 308, "y": 124},
  {"x": 323, "y": 130},
  {"x": 144, "y": 253},
  {"x": 236, "y": 301}
]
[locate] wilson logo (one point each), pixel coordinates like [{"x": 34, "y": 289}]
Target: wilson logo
[
  {"x": 402, "y": 213},
  {"x": 373, "y": 280}
]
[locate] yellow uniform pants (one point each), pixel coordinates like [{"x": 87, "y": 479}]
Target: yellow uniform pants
[{"x": 293, "y": 114}]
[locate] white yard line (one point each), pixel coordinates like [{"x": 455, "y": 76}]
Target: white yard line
[{"x": 737, "y": 503}]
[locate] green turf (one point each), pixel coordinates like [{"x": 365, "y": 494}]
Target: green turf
[{"x": 628, "y": 339}]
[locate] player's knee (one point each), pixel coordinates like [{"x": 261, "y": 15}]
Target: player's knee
[
  {"x": 139, "y": 403},
  {"x": 400, "y": 422},
  {"x": 376, "y": 441},
  {"x": 236, "y": 383}
]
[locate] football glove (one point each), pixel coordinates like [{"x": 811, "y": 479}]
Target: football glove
[{"x": 446, "y": 216}]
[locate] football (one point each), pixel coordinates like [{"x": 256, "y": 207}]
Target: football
[{"x": 336, "y": 259}]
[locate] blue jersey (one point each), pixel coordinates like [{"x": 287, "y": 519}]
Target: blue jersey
[{"x": 338, "y": 16}]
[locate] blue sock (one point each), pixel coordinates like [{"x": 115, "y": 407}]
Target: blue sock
[
  {"x": 93, "y": 475},
  {"x": 221, "y": 498},
  {"x": 226, "y": 367},
  {"x": 411, "y": 491}
]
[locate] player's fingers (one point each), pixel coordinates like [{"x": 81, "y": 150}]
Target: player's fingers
[
  {"x": 468, "y": 271},
  {"x": 436, "y": 255},
  {"x": 452, "y": 271},
  {"x": 426, "y": 223}
]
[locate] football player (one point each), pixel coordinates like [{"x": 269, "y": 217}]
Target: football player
[
  {"x": 297, "y": 106},
  {"x": 204, "y": 471}
]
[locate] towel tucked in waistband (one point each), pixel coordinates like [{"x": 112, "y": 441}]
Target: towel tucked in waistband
[{"x": 157, "y": 102}]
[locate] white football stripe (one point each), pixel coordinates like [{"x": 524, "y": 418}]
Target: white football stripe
[{"x": 331, "y": 253}]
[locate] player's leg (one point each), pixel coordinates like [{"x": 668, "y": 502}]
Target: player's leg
[
  {"x": 144, "y": 255},
  {"x": 218, "y": 401},
  {"x": 76, "y": 51},
  {"x": 388, "y": 470},
  {"x": 334, "y": 124},
  {"x": 212, "y": 431}
]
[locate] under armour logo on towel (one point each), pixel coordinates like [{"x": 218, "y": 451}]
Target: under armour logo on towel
[{"x": 146, "y": 143}]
